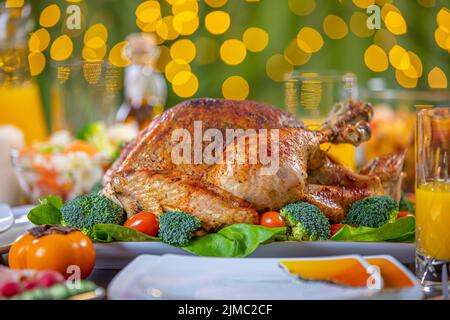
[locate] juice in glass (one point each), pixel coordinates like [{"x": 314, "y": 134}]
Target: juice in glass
[
  {"x": 20, "y": 105},
  {"x": 344, "y": 153},
  {"x": 433, "y": 220}
]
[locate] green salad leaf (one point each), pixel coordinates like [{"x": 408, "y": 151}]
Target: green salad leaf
[
  {"x": 47, "y": 212},
  {"x": 401, "y": 230},
  {"x": 115, "y": 232},
  {"x": 238, "y": 240}
]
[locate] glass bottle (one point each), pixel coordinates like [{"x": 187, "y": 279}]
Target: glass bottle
[{"x": 145, "y": 87}]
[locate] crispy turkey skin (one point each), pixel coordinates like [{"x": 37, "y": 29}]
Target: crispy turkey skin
[{"x": 233, "y": 189}]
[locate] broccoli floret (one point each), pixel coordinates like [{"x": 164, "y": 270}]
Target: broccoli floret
[
  {"x": 95, "y": 134},
  {"x": 372, "y": 212},
  {"x": 306, "y": 222},
  {"x": 177, "y": 227},
  {"x": 85, "y": 211}
]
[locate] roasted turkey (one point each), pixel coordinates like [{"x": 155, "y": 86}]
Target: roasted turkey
[{"x": 233, "y": 187}]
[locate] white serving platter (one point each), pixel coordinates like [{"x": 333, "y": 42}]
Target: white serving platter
[
  {"x": 118, "y": 254},
  {"x": 174, "y": 277}
]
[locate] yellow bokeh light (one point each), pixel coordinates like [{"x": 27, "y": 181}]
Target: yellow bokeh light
[
  {"x": 185, "y": 6},
  {"x": 181, "y": 78},
  {"x": 335, "y": 27},
  {"x": 14, "y": 3},
  {"x": 165, "y": 28},
  {"x": 383, "y": 2},
  {"x": 187, "y": 89},
  {"x": 183, "y": 50},
  {"x": 208, "y": 50},
  {"x": 443, "y": 19},
  {"x": 96, "y": 36},
  {"x": 217, "y": 22},
  {"x": 186, "y": 23},
  {"x": 358, "y": 25},
  {"x": 39, "y": 40},
  {"x": 61, "y": 48},
  {"x": 294, "y": 55},
  {"x": 388, "y": 8},
  {"x": 404, "y": 80},
  {"x": 384, "y": 39},
  {"x": 50, "y": 16},
  {"x": 163, "y": 59},
  {"x": 255, "y": 39},
  {"x": 363, "y": 3},
  {"x": 117, "y": 55},
  {"x": 437, "y": 79},
  {"x": 277, "y": 67},
  {"x": 376, "y": 59},
  {"x": 235, "y": 88},
  {"x": 174, "y": 67},
  {"x": 216, "y": 3},
  {"x": 399, "y": 58},
  {"x": 302, "y": 7},
  {"x": 92, "y": 72},
  {"x": 309, "y": 40},
  {"x": 442, "y": 38},
  {"x": 36, "y": 61},
  {"x": 395, "y": 23},
  {"x": 233, "y": 52},
  {"x": 415, "y": 69},
  {"x": 148, "y": 12},
  {"x": 93, "y": 55},
  {"x": 146, "y": 27}
]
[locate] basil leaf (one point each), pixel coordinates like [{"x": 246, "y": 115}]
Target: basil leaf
[
  {"x": 44, "y": 214},
  {"x": 48, "y": 212},
  {"x": 401, "y": 230},
  {"x": 55, "y": 201},
  {"x": 238, "y": 240},
  {"x": 115, "y": 232}
]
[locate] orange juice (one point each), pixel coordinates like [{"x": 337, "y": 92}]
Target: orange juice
[
  {"x": 20, "y": 105},
  {"x": 433, "y": 220},
  {"x": 344, "y": 153}
]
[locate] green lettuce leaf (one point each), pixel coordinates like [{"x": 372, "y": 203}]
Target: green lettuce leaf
[
  {"x": 47, "y": 212},
  {"x": 115, "y": 232},
  {"x": 238, "y": 240},
  {"x": 401, "y": 230}
]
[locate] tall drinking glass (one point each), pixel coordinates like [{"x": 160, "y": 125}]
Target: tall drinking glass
[
  {"x": 312, "y": 95},
  {"x": 433, "y": 197}
]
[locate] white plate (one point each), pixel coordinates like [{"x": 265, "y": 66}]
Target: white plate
[
  {"x": 6, "y": 218},
  {"x": 21, "y": 225},
  {"x": 174, "y": 277},
  {"x": 118, "y": 254}
]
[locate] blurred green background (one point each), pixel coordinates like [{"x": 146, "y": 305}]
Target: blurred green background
[{"x": 277, "y": 18}]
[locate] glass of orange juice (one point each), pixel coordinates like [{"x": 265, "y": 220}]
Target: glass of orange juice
[
  {"x": 312, "y": 95},
  {"x": 433, "y": 197}
]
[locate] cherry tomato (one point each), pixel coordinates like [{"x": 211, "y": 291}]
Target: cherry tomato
[
  {"x": 336, "y": 227},
  {"x": 145, "y": 222},
  {"x": 404, "y": 214},
  {"x": 271, "y": 219}
]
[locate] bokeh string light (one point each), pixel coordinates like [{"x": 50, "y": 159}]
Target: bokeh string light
[{"x": 222, "y": 40}]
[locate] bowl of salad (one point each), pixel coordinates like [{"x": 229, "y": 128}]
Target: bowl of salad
[{"x": 69, "y": 165}]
